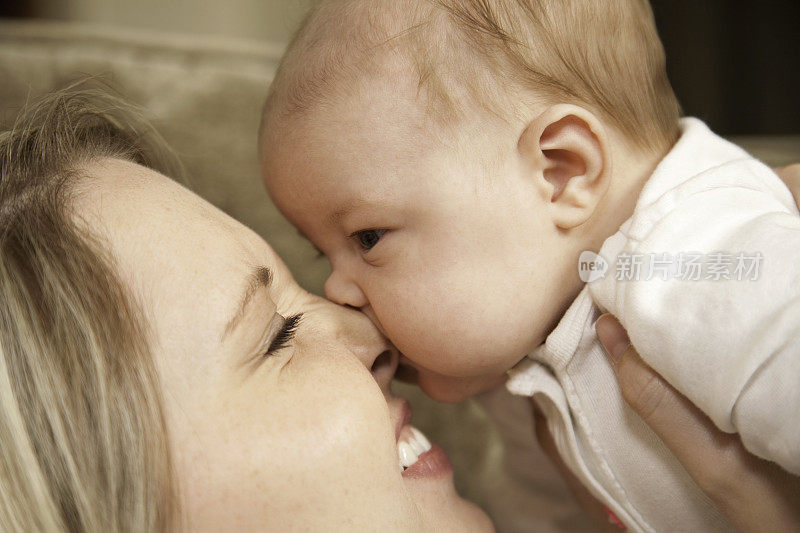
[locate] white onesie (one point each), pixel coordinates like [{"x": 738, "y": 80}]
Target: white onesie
[{"x": 705, "y": 277}]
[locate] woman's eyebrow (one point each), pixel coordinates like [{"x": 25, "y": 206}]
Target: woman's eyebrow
[{"x": 261, "y": 277}]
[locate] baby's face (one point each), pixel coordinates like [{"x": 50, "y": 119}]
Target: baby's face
[{"x": 442, "y": 242}]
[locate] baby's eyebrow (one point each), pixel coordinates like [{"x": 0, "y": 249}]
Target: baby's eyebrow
[{"x": 340, "y": 213}]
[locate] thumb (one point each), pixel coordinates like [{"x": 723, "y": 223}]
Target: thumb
[
  {"x": 613, "y": 337},
  {"x": 791, "y": 177},
  {"x": 644, "y": 390}
]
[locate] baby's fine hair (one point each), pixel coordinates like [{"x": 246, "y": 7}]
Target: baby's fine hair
[{"x": 604, "y": 55}]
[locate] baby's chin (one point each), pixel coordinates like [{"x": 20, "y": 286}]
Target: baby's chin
[{"x": 450, "y": 389}]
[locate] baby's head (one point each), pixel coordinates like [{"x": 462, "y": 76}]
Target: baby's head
[{"x": 452, "y": 158}]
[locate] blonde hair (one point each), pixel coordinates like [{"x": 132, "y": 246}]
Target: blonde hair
[
  {"x": 602, "y": 54},
  {"x": 83, "y": 443}
]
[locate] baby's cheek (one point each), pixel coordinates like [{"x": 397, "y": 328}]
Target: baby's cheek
[{"x": 427, "y": 324}]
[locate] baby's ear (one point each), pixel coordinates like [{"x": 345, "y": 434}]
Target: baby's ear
[{"x": 567, "y": 147}]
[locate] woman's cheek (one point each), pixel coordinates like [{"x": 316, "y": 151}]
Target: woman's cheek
[
  {"x": 338, "y": 409},
  {"x": 339, "y": 443}
]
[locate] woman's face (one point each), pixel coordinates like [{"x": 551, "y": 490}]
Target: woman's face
[{"x": 300, "y": 436}]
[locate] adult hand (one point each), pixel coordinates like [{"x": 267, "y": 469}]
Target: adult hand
[
  {"x": 791, "y": 177},
  {"x": 754, "y": 494}
]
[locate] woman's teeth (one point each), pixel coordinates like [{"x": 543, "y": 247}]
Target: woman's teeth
[{"x": 411, "y": 444}]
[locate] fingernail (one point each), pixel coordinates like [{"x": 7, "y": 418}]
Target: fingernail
[{"x": 613, "y": 337}]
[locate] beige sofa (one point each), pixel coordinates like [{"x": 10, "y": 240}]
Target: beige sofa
[{"x": 205, "y": 96}]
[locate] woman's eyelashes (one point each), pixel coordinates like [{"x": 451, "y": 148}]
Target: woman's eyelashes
[
  {"x": 285, "y": 335},
  {"x": 368, "y": 238}
]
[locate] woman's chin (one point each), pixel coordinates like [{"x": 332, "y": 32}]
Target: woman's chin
[{"x": 444, "y": 510}]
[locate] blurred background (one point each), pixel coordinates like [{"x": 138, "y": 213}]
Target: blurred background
[
  {"x": 263, "y": 20},
  {"x": 734, "y": 63}
]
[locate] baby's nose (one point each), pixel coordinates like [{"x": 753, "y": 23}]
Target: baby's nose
[{"x": 341, "y": 289}]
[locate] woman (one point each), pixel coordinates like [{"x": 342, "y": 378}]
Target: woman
[{"x": 160, "y": 369}]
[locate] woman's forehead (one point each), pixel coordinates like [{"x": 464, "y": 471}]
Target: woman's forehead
[
  {"x": 185, "y": 258},
  {"x": 145, "y": 210}
]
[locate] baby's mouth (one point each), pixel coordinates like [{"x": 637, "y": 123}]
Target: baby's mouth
[{"x": 411, "y": 444}]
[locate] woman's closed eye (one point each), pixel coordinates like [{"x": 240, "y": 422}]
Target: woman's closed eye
[
  {"x": 368, "y": 238},
  {"x": 285, "y": 335}
]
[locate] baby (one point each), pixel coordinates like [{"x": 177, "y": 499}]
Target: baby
[{"x": 456, "y": 160}]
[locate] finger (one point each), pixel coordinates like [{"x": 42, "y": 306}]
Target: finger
[
  {"x": 791, "y": 177},
  {"x": 663, "y": 408},
  {"x": 644, "y": 390},
  {"x": 749, "y": 491}
]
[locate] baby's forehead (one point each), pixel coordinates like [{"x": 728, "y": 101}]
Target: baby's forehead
[
  {"x": 378, "y": 118},
  {"x": 379, "y": 135},
  {"x": 308, "y": 83},
  {"x": 357, "y": 48}
]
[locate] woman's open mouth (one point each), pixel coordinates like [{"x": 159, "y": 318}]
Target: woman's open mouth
[{"x": 417, "y": 457}]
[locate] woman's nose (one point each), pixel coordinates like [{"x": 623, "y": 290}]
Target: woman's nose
[
  {"x": 364, "y": 340},
  {"x": 384, "y": 368},
  {"x": 340, "y": 288}
]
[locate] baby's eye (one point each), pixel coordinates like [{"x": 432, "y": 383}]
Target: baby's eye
[{"x": 368, "y": 238}]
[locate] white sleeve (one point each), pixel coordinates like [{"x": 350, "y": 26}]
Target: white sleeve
[
  {"x": 767, "y": 414},
  {"x": 731, "y": 346}
]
